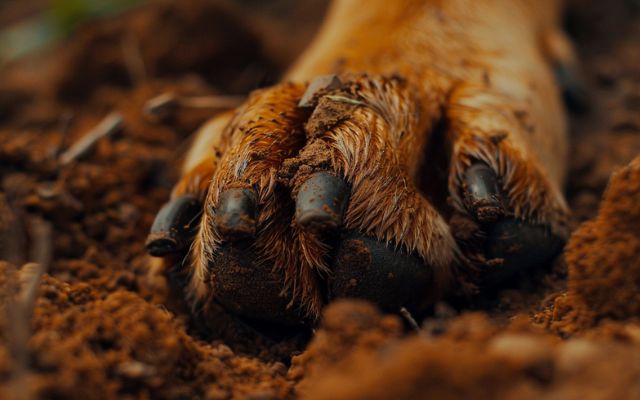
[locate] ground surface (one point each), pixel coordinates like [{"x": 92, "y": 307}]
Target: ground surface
[{"x": 104, "y": 325}]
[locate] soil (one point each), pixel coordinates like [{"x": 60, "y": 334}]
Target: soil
[{"x": 104, "y": 323}]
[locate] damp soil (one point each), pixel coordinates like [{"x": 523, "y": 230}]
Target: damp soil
[{"x": 104, "y": 322}]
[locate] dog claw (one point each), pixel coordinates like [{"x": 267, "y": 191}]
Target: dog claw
[
  {"x": 321, "y": 202},
  {"x": 519, "y": 246},
  {"x": 368, "y": 269},
  {"x": 236, "y": 213},
  {"x": 574, "y": 91},
  {"x": 174, "y": 226},
  {"x": 482, "y": 193}
]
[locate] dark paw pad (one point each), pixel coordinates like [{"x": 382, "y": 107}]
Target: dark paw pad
[
  {"x": 249, "y": 288},
  {"x": 518, "y": 246},
  {"x": 368, "y": 269}
]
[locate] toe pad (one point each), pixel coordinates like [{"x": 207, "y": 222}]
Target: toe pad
[{"x": 368, "y": 269}]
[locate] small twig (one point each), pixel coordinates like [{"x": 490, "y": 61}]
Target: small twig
[
  {"x": 166, "y": 103},
  {"x": 109, "y": 125},
  {"x": 412, "y": 322},
  {"x": 343, "y": 99},
  {"x": 211, "y": 101},
  {"x": 133, "y": 59},
  {"x": 161, "y": 105},
  {"x": 12, "y": 231},
  {"x": 20, "y": 311},
  {"x": 64, "y": 124},
  {"x": 40, "y": 252}
]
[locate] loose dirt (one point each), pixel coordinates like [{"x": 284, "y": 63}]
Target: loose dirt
[{"x": 105, "y": 324}]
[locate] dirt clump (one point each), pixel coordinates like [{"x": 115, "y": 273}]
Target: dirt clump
[
  {"x": 472, "y": 358},
  {"x": 604, "y": 267},
  {"x": 602, "y": 256},
  {"x": 89, "y": 346}
]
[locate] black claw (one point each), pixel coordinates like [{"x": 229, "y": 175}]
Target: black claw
[
  {"x": 174, "y": 226},
  {"x": 574, "y": 91},
  {"x": 482, "y": 193},
  {"x": 517, "y": 246},
  {"x": 236, "y": 213},
  {"x": 367, "y": 269},
  {"x": 321, "y": 202}
]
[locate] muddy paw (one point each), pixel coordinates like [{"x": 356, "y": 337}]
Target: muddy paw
[
  {"x": 314, "y": 194},
  {"x": 311, "y": 198}
]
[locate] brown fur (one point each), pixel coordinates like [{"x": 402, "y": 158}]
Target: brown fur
[{"x": 481, "y": 67}]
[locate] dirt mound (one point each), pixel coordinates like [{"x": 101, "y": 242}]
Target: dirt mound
[
  {"x": 85, "y": 346},
  {"x": 604, "y": 267},
  {"x": 106, "y": 325},
  {"x": 471, "y": 357}
]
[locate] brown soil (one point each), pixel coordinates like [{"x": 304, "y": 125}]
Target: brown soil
[{"x": 104, "y": 324}]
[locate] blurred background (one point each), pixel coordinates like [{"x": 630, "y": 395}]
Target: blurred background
[
  {"x": 65, "y": 51},
  {"x": 30, "y": 25}
]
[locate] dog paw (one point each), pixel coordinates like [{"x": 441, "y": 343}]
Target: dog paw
[{"x": 311, "y": 192}]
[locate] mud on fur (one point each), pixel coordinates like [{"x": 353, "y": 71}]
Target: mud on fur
[{"x": 343, "y": 180}]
